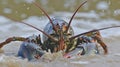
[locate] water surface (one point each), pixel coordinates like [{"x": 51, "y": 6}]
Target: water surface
[{"x": 106, "y": 14}]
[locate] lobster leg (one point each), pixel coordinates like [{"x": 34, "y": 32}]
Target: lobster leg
[
  {"x": 98, "y": 37},
  {"x": 87, "y": 44},
  {"x": 12, "y": 39},
  {"x": 30, "y": 48}
]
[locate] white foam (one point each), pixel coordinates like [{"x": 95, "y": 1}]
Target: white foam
[
  {"x": 3, "y": 19},
  {"x": 91, "y": 14},
  {"x": 80, "y": 62},
  {"x": 79, "y": 25},
  {"x": 102, "y": 5},
  {"x": 29, "y": 1},
  {"x": 2, "y": 58}
]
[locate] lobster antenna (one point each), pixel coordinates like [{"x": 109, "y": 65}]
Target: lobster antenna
[
  {"x": 34, "y": 28},
  {"x": 74, "y": 15},
  {"x": 93, "y": 31},
  {"x": 36, "y": 4}
]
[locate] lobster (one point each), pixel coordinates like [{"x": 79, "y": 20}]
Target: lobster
[{"x": 58, "y": 35}]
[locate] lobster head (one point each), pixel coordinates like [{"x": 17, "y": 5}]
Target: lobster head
[{"x": 57, "y": 31}]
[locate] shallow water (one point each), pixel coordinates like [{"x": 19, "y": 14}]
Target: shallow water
[
  {"x": 10, "y": 28},
  {"x": 84, "y": 21}
]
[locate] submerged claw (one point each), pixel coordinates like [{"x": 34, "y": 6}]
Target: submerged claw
[
  {"x": 30, "y": 49},
  {"x": 98, "y": 38}
]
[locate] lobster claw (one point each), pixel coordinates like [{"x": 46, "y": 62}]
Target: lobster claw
[
  {"x": 30, "y": 48},
  {"x": 85, "y": 46},
  {"x": 83, "y": 49}
]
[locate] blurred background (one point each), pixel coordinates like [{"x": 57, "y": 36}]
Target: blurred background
[{"x": 21, "y": 9}]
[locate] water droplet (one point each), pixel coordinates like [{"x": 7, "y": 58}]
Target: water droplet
[
  {"x": 23, "y": 15},
  {"x": 29, "y": 1},
  {"x": 16, "y": 11},
  {"x": 28, "y": 8},
  {"x": 102, "y": 5},
  {"x": 117, "y": 12},
  {"x": 24, "y": 4},
  {"x": 42, "y": 12}
]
